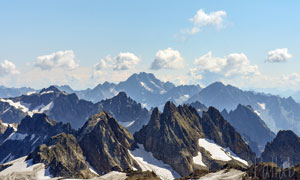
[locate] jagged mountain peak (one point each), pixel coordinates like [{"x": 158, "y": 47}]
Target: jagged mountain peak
[
  {"x": 100, "y": 132},
  {"x": 283, "y": 135},
  {"x": 40, "y": 124},
  {"x": 283, "y": 150}
]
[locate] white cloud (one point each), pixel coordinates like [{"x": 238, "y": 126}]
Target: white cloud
[
  {"x": 100, "y": 65},
  {"x": 125, "y": 61},
  {"x": 60, "y": 59},
  {"x": 167, "y": 59},
  {"x": 278, "y": 55},
  {"x": 202, "y": 19},
  {"x": 228, "y": 66},
  {"x": 8, "y": 68}
]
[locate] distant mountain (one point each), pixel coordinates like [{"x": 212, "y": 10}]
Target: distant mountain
[
  {"x": 181, "y": 138},
  {"x": 129, "y": 113},
  {"x": 199, "y": 107},
  {"x": 284, "y": 150},
  {"x": 144, "y": 88},
  {"x": 13, "y": 92},
  {"x": 278, "y": 113},
  {"x": 68, "y": 108},
  {"x": 250, "y": 126}
]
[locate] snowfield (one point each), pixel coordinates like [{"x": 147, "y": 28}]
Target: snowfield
[
  {"x": 219, "y": 153},
  {"x": 148, "y": 162},
  {"x": 232, "y": 174},
  {"x": 21, "y": 169}
]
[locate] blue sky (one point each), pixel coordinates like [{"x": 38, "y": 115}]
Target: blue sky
[{"x": 92, "y": 30}]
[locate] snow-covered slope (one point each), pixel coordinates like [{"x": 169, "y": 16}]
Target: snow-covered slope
[
  {"x": 147, "y": 162},
  {"x": 219, "y": 153},
  {"x": 20, "y": 169}
]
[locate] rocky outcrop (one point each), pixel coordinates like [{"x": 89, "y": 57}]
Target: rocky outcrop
[
  {"x": 63, "y": 157},
  {"x": 172, "y": 136},
  {"x": 284, "y": 150},
  {"x": 216, "y": 128},
  {"x": 105, "y": 144}
]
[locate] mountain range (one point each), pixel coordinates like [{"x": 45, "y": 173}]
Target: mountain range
[{"x": 190, "y": 132}]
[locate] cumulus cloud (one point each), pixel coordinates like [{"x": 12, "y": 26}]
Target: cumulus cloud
[
  {"x": 278, "y": 55},
  {"x": 167, "y": 59},
  {"x": 100, "y": 65},
  {"x": 202, "y": 19},
  {"x": 8, "y": 68},
  {"x": 124, "y": 61},
  {"x": 60, "y": 59},
  {"x": 228, "y": 66}
]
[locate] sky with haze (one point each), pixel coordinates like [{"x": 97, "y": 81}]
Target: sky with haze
[{"x": 250, "y": 44}]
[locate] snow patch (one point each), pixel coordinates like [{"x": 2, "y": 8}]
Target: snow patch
[
  {"x": 114, "y": 175},
  {"x": 126, "y": 124},
  {"x": 30, "y": 93},
  {"x": 46, "y": 92},
  {"x": 262, "y": 106},
  {"x": 42, "y": 108},
  {"x": 17, "y": 105},
  {"x": 16, "y": 137},
  {"x": 232, "y": 174},
  {"x": 219, "y": 153},
  {"x": 147, "y": 162},
  {"x": 20, "y": 166},
  {"x": 198, "y": 160},
  {"x": 146, "y": 87}
]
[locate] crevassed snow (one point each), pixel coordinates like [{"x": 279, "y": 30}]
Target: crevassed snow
[
  {"x": 20, "y": 166},
  {"x": 217, "y": 152},
  {"x": 126, "y": 124},
  {"x": 147, "y": 162},
  {"x": 198, "y": 159},
  {"x": 146, "y": 87},
  {"x": 262, "y": 105},
  {"x": 16, "y": 137},
  {"x": 232, "y": 174}
]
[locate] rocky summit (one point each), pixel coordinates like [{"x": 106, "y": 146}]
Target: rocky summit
[
  {"x": 105, "y": 144},
  {"x": 284, "y": 150}
]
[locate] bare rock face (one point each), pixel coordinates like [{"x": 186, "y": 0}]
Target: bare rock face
[
  {"x": 283, "y": 150},
  {"x": 105, "y": 144},
  {"x": 216, "y": 128},
  {"x": 172, "y": 136},
  {"x": 63, "y": 156}
]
